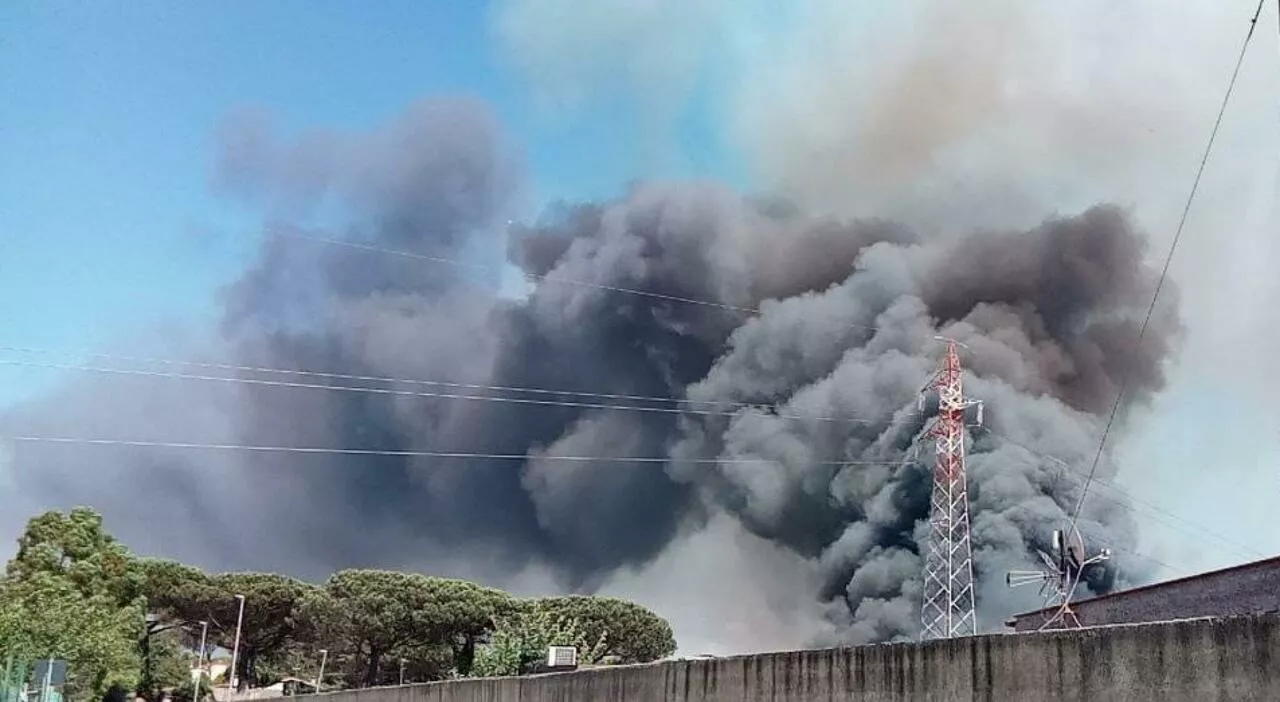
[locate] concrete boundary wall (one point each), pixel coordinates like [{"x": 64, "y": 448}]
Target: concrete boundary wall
[{"x": 1203, "y": 659}]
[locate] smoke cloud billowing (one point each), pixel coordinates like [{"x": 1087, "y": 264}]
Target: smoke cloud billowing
[
  {"x": 826, "y": 372},
  {"x": 793, "y": 505}
]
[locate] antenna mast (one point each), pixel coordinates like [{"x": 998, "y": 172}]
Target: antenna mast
[
  {"x": 948, "y": 602},
  {"x": 1062, "y": 573}
]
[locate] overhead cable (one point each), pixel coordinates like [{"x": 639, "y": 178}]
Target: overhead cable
[
  {"x": 359, "y": 246},
  {"x": 1164, "y": 271},
  {"x": 415, "y": 453},
  {"x": 424, "y": 393},
  {"x": 491, "y": 268},
  {"x": 313, "y": 450},
  {"x": 1127, "y": 497},
  {"x": 373, "y": 378}
]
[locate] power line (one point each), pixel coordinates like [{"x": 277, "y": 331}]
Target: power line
[
  {"x": 292, "y": 234},
  {"x": 1240, "y": 548},
  {"x": 1173, "y": 247},
  {"x": 400, "y": 380},
  {"x": 492, "y": 268},
  {"x": 414, "y": 453},
  {"x": 310, "y": 450},
  {"x": 374, "y": 378},
  {"x": 417, "y": 393},
  {"x": 1191, "y": 528},
  {"x": 1129, "y": 496},
  {"x": 1123, "y": 549}
]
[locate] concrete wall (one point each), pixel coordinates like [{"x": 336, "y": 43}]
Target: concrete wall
[
  {"x": 1231, "y": 659},
  {"x": 1252, "y": 588}
]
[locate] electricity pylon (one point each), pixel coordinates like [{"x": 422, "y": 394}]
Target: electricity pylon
[{"x": 947, "y": 609}]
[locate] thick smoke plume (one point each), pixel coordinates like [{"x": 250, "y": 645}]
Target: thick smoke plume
[{"x": 825, "y": 371}]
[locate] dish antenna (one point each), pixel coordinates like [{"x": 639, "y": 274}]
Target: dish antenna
[{"x": 1062, "y": 573}]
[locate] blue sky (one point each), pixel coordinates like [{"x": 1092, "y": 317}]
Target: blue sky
[{"x": 107, "y": 224}]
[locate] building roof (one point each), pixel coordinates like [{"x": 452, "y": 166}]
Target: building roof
[{"x": 1143, "y": 589}]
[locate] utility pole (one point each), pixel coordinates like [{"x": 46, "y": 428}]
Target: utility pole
[
  {"x": 235, "y": 652},
  {"x": 204, "y": 630},
  {"x": 324, "y": 656},
  {"x": 947, "y": 609}
]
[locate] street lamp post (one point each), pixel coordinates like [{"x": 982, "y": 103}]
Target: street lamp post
[
  {"x": 149, "y": 620},
  {"x": 324, "y": 656},
  {"x": 204, "y": 630},
  {"x": 235, "y": 651}
]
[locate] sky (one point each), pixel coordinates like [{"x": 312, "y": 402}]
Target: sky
[
  {"x": 110, "y": 231},
  {"x": 111, "y": 113}
]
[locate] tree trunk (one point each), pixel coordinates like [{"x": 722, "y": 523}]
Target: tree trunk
[
  {"x": 464, "y": 656},
  {"x": 247, "y": 667},
  {"x": 146, "y": 684},
  {"x": 371, "y": 671}
]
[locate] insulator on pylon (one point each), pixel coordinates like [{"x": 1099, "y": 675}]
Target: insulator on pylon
[{"x": 928, "y": 403}]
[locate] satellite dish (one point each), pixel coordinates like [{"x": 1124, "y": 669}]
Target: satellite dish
[
  {"x": 1064, "y": 569},
  {"x": 1075, "y": 550},
  {"x": 1068, "y": 546}
]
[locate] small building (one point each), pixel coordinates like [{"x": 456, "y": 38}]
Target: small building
[
  {"x": 1251, "y": 588},
  {"x": 296, "y": 686}
]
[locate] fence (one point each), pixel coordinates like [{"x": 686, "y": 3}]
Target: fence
[
  {"x": 18, "y": 683},
  {"x": 1188, "y": 661}
]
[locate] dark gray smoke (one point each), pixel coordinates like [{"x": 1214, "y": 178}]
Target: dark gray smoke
[{"x": 826, "y": 371}]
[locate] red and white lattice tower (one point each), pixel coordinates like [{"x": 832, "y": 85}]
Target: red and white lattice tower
[{"x": 947, "y": 609}]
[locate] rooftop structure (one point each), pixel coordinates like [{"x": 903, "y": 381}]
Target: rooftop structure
[{"x": 1251, "y": 588}]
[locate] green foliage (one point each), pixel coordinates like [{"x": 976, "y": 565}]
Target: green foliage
[
  {"x": 186, "y": 692},
  {"x": 635, "y": 633},
  {"x": 13, "y": 672},
  {"x": 170, "y": 663},
  {"x": 73, "y": 592},
  {"x": 171, "y": 589},
  {"x": 520, "y": 643},
  {"x": 77, "y": 549},
  {"x": 295, "y": 660},
  {"x": 13, "y": 637},
  {"x": 271, "y": 601},
  {"x": 378, "y": 617}
]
